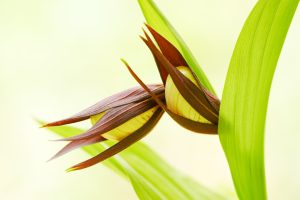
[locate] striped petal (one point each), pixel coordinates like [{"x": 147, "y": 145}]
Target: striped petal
[
  {"x": 176, "y": 59},
  {"x": 114, "y": 118},
  {"x": 123, "y": 144},
  {"x": 77, "y": 144},
  {"x": 126, "y": 97},
  {"x": 192, "y": 94},
  {"x": 186, "y": 123},
  {"x": 167, "y": 49}
]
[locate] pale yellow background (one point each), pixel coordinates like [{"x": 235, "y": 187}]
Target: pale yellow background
[{"x": 59, "y": 56}]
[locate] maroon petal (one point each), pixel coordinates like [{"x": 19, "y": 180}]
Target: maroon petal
[
  {"x": 176, "y": 59},
  {"x": 187, "y": 123},
  {"x": 77, "y": 144},
  {"x": 114, "y": 118},
  {"x": 214, "y": 101},
  {"x": 168, "y": 50},
  {"x": 194, "y": 126},
  {"x": 65, "y": 121},
  {"x": 132, "y": 95},
  {"x": 191, "y": 93},
  {"x": 123, "y": 144}
]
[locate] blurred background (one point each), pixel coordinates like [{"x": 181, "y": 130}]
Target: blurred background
[{"x": 58, "y": 57}]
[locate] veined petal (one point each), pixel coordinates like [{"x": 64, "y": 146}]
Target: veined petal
[
  {"x": 126, "y": 97},
  {"x": 176, "y": 59},
  {"x": 167, "y": 49},
  {"x": 130, "y": 126},
  {"x": 77, "y": 144},
  {"x": 123, "y": 144},
  {"x": 194, "y": 126},
  {"x": 177, "y": 103},
  {"x": 116, "y": 117},
  {"x": 187, "y": 123},
  {"x": 192, "y": 94},
  {"x": 162, "y": 71},
  {"x": 214, "y": 101}
]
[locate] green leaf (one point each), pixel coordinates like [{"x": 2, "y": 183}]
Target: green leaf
[
  {"x": 149, "y": 164},
  {"x": 150, "y": 176},
  {"x": 158, "y": 21},
  {"x": 246, "y": 93}
]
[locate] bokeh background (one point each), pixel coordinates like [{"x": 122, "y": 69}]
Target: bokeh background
[{"x": 58, "y": 57}]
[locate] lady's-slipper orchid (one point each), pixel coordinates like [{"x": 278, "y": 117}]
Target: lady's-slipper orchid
[
  {"x": 128, "y": 116},
  {"x": 187, "y": 101},
  {"x": 125, "y": 117}
]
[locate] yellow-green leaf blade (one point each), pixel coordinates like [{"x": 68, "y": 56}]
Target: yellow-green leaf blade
[
  {"x": 150, "y": 176},
  {"x": 159, "y": 22},
  {"x": 165, "y": 174},
  {"x": 246, "y": 93}
]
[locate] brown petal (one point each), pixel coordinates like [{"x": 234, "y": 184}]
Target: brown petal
[
  {"x": 132, "y": 95},
  {"x": 191, "y": 93},
  {"x": 123, "y": 144},
  {"x": 187, "y": 123},
  {"x": 214, "y": 101},
  {"x": 115, "y": 118},
  {"x": 194, "y": 126},
  {"x": 168, "y": 50},
  {"x": 176, "y": 59},
  {"x": 77, "y": 144},
  {"x": 163, "y": 73}
]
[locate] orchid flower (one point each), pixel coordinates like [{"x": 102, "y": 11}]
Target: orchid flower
[
  {"x": 187, "y": 101},
  {"x": 125, "y": 117},
  {"x": 128, "y": 116}
]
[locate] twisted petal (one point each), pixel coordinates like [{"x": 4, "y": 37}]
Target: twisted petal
[
  {"x": 167, "y": 49},
  {"x": 191, "y": 93},
  {"x": 123, "y": 144},
  {"x": 176, "y": 59},
  {"x": 126, "y": 97},
  {"x": 115, "y": 118},
  {"x": 187, "y": 123},
  {"x": 77, "y": 144},
  {"x": 130, "y": 112}
]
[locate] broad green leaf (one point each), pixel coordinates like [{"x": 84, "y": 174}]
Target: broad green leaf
[
  {"x": 246, "y": 93},
  {"x": 150, "y": 176},
  {"x": 165, "y": 174},
  {"x": 158, "y": 21}
]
